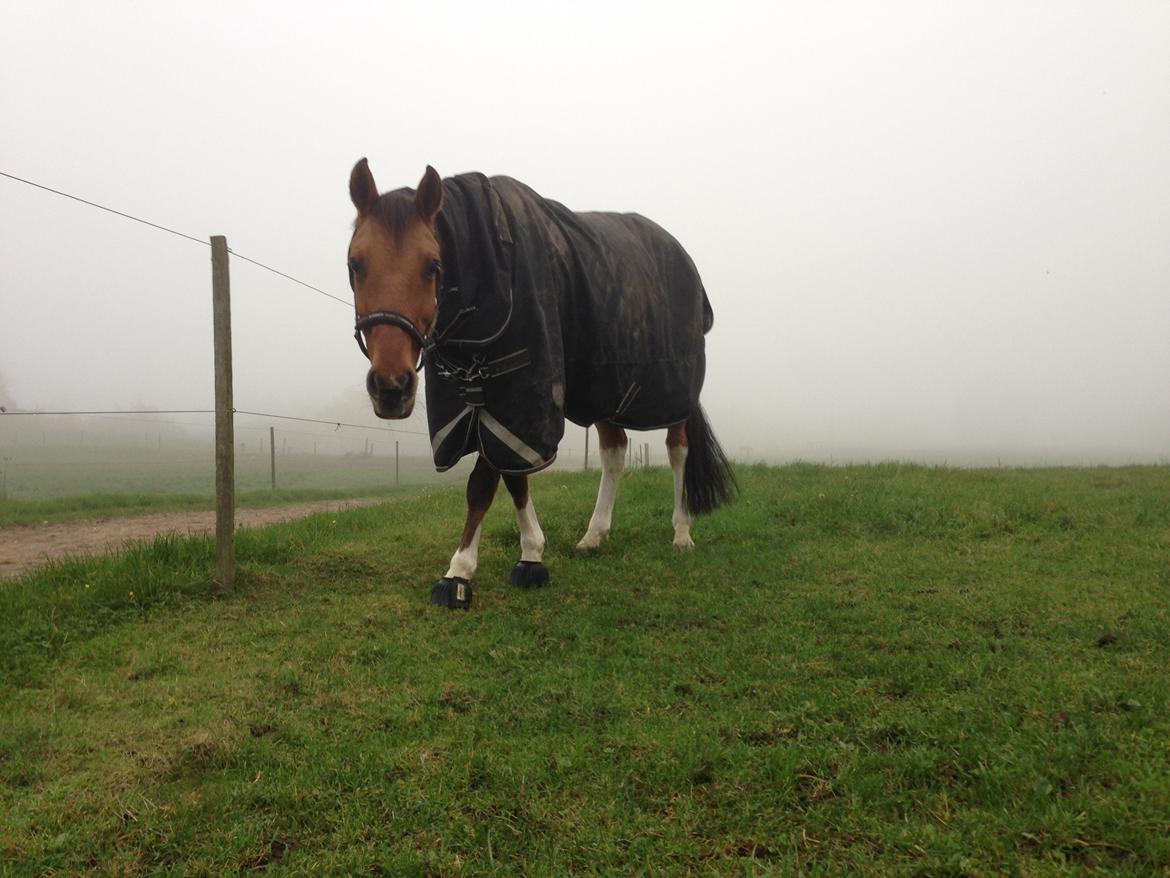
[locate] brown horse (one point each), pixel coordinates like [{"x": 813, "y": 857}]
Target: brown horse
[{"x": 526, "y": 313}]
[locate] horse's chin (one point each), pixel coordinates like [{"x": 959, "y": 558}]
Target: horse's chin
[{"x": 395, "y": 412}]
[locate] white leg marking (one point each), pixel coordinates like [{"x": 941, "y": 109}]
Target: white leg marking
[
  {"x": 681, "y": 518},
  {"x": 612, "y": 462},
  {"x": 531, "y": 536},
  {"x": 464, "y": 561}
]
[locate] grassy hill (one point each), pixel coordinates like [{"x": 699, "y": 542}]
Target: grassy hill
[{"x": 860, "y": 670}]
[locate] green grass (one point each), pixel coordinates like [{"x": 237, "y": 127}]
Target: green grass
[{"x": 867, "y": 670}]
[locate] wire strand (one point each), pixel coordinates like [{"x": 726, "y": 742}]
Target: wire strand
[
  {"x": 107, "y": 209},
  {"x": 336, "y": 424},
  {"x": 162, "y": 228},
  {"x": 331, "y": 423},
  {"x": 290, "y": 277}
]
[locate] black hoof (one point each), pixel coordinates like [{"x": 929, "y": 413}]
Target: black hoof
[
  {"x": 529, "y": 574},
  {"x": 454, "y": 593}
]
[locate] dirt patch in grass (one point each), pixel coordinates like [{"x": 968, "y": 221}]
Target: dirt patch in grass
[{"x": 22, "y": 548}]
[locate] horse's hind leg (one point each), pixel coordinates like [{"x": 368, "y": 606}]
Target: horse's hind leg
[
  {"x": 613, "y": 443},
  {"x": 529, "y": 570},
  {"x": 676, "y": 451},
  {"x": 454, "y": 589}
]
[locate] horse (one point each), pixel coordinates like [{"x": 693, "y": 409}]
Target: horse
[{"x": 524, "y": 313}]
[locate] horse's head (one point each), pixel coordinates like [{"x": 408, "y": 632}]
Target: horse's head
[{"x": 394, "y": 272}]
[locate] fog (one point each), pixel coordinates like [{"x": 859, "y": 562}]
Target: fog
[{"x": 935, "y": 232}]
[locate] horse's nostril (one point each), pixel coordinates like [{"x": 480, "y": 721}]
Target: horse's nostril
[
  {"x": 390, "y": 389},
  {"x": 378, "y": 385}
]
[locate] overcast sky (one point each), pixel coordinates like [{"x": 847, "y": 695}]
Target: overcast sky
[{"x": 928, "y": 230}]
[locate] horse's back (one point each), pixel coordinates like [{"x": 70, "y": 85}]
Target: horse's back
[
  {"x": 623, "y": 265},
  {"x": 655, "y": 274},
  {"x": 607, "y": 310},
  {"x": 634, "y": 352}
]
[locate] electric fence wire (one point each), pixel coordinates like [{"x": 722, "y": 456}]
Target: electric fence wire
[
  {"x": 334, "y": 424},
  {"x": 171, "y": 231}
]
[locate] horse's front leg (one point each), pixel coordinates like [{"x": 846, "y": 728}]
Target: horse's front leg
[
  {"x": 529, "y": 570},
  {"x": 454, "y": 589}
]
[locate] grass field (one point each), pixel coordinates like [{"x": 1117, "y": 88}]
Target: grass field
[{"x": 866, "y": 670}]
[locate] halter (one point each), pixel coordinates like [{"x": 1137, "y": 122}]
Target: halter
[
  {"x": 389, "y": 318},
  {"x": 393, "y": 319},
  {"x": 428, "y": 343}
]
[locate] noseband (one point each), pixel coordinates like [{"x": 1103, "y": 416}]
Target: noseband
[{"x": 389, "y": 318}]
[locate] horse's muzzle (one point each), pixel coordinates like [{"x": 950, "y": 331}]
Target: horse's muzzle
[{"x": 392, "y": 398}]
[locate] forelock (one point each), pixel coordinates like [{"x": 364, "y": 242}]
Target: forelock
[{"x": 396, "y": 211}]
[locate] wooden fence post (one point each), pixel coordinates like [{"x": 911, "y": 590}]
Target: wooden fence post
[
  {"x": 225, "y": 463},
  {"x": 272, "y": 448}
]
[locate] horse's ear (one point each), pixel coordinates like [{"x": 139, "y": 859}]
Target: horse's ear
[
  {"x": 363, "y": 191},
  {"x": 429, "y": 196}
]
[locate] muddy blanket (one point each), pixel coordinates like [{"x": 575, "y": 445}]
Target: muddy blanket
[{"x": 546, "y": 314}]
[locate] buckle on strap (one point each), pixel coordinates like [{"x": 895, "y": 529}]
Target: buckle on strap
[{"x": 481, "y": 369}]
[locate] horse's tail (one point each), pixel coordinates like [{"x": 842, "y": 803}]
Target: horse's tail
[{"x": 708, "y": 480}]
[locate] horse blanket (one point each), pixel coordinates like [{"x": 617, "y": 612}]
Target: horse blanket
[{"x": 546, "y": 314}]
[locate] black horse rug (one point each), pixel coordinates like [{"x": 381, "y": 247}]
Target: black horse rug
[{"x": 546, "y": 314}]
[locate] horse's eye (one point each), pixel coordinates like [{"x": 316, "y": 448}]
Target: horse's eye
[
  {"x": 355, "y": 266},
  {"x": 433, "y": 269}
]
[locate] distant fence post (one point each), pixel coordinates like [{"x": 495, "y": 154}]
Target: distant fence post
[
  {"x": 225, "y": 464},
  {"x": 396, "y": 462},
  {"x": 272, "y": 449}
]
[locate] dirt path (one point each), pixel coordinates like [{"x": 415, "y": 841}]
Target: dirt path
[{"x": 25, "y": 547}]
